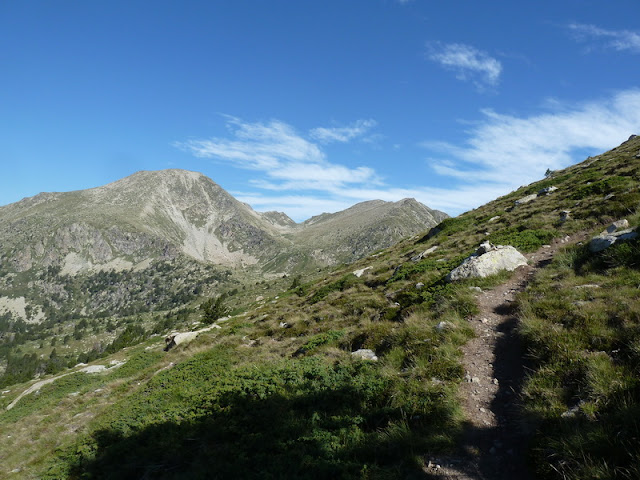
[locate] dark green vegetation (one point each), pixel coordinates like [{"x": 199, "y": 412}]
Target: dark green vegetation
[{"x": 276, "y": 393}]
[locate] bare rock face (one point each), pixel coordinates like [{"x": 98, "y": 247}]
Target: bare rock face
[{"x": 487, "y": 260}]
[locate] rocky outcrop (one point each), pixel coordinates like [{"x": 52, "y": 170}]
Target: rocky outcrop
[
  {"x": 616, "y": 232},
  {"x": 488, "y": 260}
]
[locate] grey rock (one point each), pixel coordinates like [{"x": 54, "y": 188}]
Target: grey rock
[
  {"x": 527, "y": 199},
  {"x": 612, "y": 235},
  {"x": 488, "y": 260},
  {"x": 444, "y": 326},
  {"x": 565, "y": 215},
  {"x": 365, "y": 354},
  {"x": 420, "y": 256},
  {"x": 619, "y": 225},
  {"x": 548, "y": 190}
]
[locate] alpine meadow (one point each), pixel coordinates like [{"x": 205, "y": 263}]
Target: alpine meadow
[{"x": 319, "y": 240}]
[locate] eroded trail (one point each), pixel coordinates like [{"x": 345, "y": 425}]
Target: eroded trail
[{"x": 494, "y": 442}]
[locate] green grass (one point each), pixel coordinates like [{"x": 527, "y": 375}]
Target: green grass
[
  {"x": 583, "y": 393},
  {"x": 303, "y": 418},
  {"x": 276, "y": 393}
]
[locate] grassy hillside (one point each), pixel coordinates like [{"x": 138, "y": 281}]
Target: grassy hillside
[{"x": 276, "y": 392}]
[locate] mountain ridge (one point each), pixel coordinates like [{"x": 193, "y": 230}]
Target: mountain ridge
[{"x": 150, "y": 217}]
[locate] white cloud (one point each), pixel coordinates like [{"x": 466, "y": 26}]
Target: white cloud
[
  {"x": 256, "y": 146},
  {"x": 287, "y": 160},
  {"x": 621, "y": 40},
  {"x": 342, "y": 134},
  {"x": 506, "y": 151},
  {"x": 500, "y": 153},
  {"x": 467, "y": 62}
]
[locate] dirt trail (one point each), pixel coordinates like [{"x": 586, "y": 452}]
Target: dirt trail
[{"x": 494, "y": 442}]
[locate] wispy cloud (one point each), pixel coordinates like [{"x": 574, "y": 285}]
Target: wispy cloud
[
  {"x": 467, "y": 62},
  {"x": 506, "y": 151},
  {"x": 342, "y": 134},
  {"x": 256, "y": 146},
  {"x": 496, "y": 155},
  {"x": 287, "y": 159},
  {"x": 621, "y": 40}
]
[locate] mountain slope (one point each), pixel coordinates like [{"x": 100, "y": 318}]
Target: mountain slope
[
  {"x": 157, "y": 234},
  {"x": 281, "y": 390},
  {"x": 364, "y": 228}
]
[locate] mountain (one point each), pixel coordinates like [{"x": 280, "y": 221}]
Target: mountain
[
  {"x": 141, "y": 224},
  {"x": 377, "y": 369}
]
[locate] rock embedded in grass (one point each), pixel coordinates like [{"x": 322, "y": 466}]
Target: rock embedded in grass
[
  {"x": 487, "y": 260},
  {"x": 616, "y": 232},
  {"x": 365, "y": 354}
]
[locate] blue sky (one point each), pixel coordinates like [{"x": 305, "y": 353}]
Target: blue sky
[{"x": 311, "y": 106}]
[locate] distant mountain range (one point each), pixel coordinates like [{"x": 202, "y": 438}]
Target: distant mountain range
[{"x": 182, "y": 217}]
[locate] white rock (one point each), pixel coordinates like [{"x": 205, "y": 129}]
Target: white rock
[
  {"x": 490, "y": 262},
  {"x": 365, "y": 354},
  {"x": 527, "y": 199},
  {"x": 359, "y": 273},
  {"x": 443, "y": 326},
  {"x": 493, "y": 219}
]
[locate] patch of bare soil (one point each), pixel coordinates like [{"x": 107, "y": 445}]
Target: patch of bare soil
[{"x": 494, "y": 442}]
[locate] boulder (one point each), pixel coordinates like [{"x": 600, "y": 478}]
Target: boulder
[
  {"x": 604, "y": 241},
  {"x": 420, "y": 256},
  {"x": 547, "y": 191},
  {"x": 488, "y": 260},
  {"x": 619, "y": 225},
  {"x": 365, "y": 354},
  {"x": 565, "y": 215},
  {"x": 359, "y": 273},
  {"x": 527, "y": 199},
  {"x": 616, "y": 232}
]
